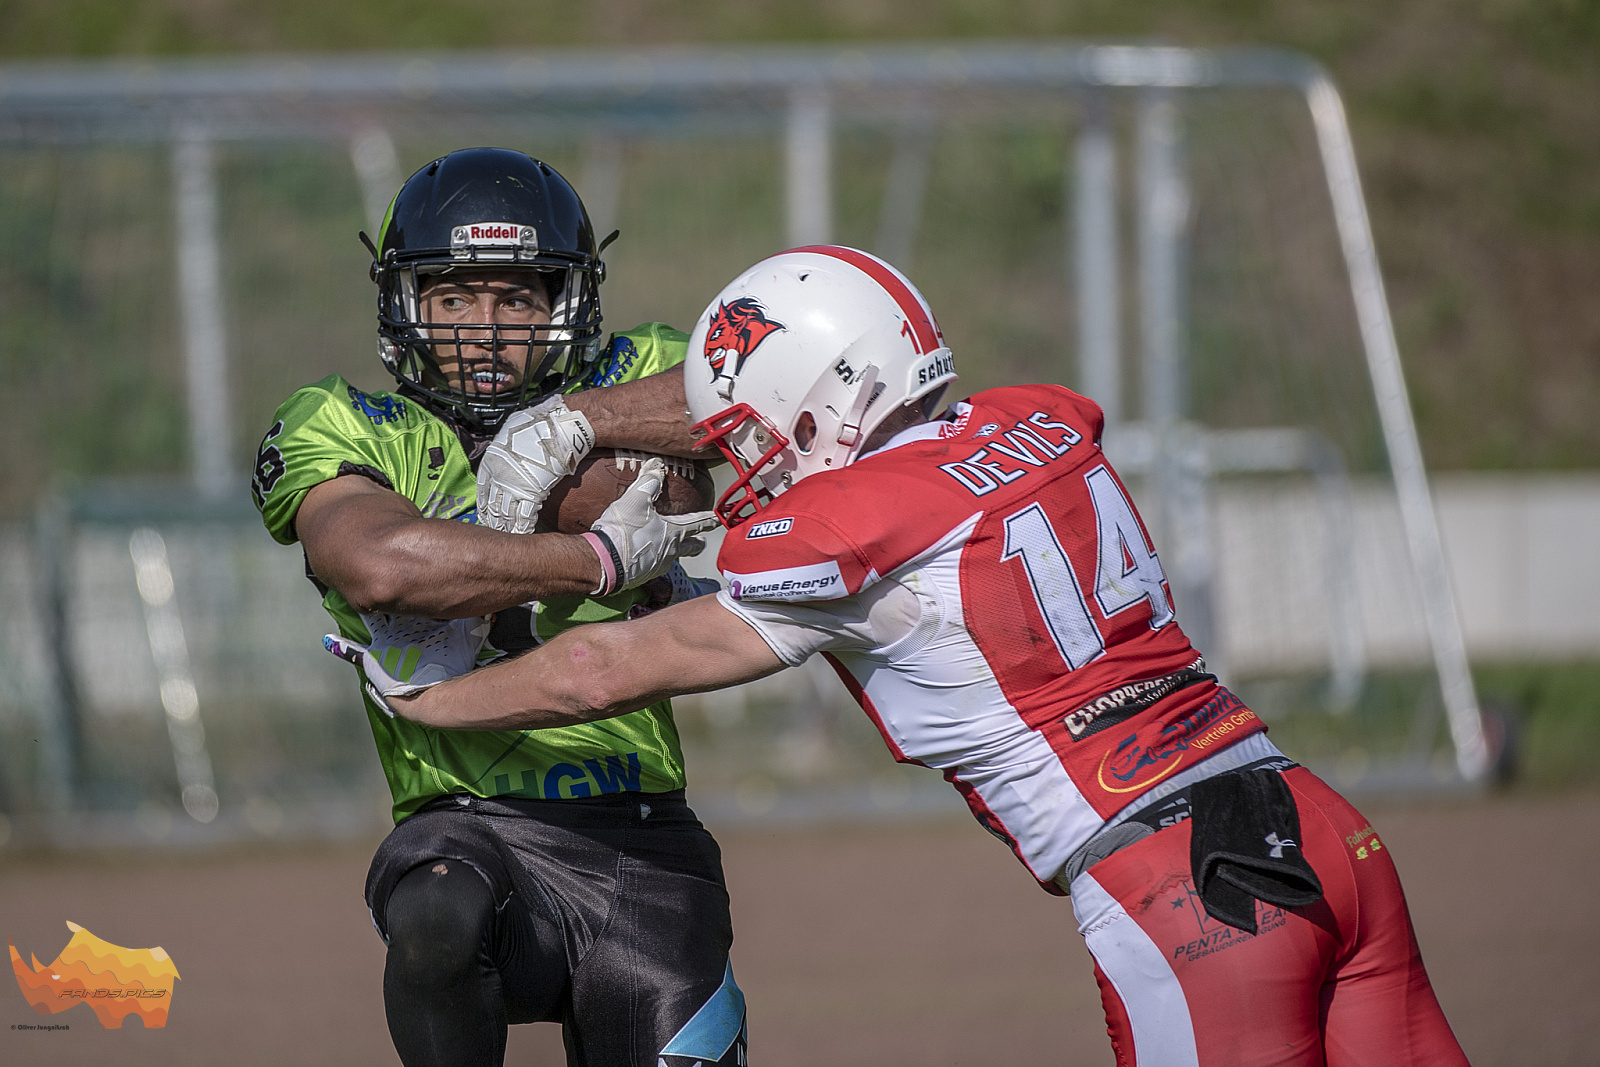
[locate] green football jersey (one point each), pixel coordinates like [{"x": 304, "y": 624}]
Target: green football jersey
[{"x": 332, "y": 428}]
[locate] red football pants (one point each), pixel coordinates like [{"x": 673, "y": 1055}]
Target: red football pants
[{"x": 1339, "y": 982}]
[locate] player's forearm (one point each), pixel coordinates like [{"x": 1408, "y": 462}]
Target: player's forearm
[
  {"x": 559, "y": 684},
  {"x": 381, "y": 554},
  {"x": 600, "y": 671},
  {"x": 451, "y": 570},
  {"x": 647, "y": 414}
]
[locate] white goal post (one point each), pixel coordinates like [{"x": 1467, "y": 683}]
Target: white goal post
[{"x": 364, "y": 104}]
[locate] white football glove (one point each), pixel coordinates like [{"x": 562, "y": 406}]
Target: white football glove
[
  {"x": 634, "y": 541},
  {"x": 535, "y": 449},
  {"x": 408, "y": 654}
]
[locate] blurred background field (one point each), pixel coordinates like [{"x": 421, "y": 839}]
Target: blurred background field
[
  {"x": 1294, "y": 579},
  {"x": 1474, "y": 128},
  {"x": 1473, "y": 124}
]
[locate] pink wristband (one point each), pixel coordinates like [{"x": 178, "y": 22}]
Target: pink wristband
[{"x": 608, "y": 563}]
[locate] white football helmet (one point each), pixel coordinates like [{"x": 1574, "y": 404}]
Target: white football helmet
[{"x": 799, "y": 359}]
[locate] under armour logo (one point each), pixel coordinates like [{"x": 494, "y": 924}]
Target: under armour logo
[{"x": 1278, "y": 845}]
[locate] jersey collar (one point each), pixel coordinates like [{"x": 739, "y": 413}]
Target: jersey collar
[{"x": 931, "y": 430}]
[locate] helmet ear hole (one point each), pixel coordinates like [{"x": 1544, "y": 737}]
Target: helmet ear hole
[{"x": 805, "y": 432}]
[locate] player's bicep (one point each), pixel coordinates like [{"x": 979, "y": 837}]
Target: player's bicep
[
  {"x": 342, "y": 521},
  {"x": 796, "y": 632},
  {"x": 880, "y": 616},
  {"x": 645, "y": 413}
]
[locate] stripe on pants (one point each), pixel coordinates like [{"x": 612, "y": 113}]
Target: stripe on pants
[{"x": 1163, "y": 1033}]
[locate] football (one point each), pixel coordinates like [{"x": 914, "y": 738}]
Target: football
[{"x": 602, "y": 476}]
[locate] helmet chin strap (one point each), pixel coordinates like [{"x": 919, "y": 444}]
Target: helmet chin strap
[{"x": 850, "y": 430}]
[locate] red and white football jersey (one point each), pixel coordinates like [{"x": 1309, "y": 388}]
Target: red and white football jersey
[{"x": 987, "y": 591}]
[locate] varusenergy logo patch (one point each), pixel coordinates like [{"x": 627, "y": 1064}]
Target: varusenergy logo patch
[
  {"x": 115, "y": 982},
  {"x": 818, "y": 581}
]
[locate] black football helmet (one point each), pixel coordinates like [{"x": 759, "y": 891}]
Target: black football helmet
[{"x": 480, "y": 210}]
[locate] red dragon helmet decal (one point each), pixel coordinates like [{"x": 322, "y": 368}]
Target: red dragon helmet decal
[{"x": 737, "y": 327}]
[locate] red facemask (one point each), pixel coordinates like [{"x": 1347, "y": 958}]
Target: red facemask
[{"x": 731, "y": 507}]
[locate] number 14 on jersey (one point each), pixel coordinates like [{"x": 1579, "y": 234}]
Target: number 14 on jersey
[{"x": 1127, "y": 572}]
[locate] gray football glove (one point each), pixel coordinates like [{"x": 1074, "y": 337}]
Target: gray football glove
[
  {"x": 535, "y": 449},
  {"x": 672, "y": 586},
  {"x": 634, "y": 541},
  {"x": 408, "y": 654},
  {"x": 686, "y": 586}
]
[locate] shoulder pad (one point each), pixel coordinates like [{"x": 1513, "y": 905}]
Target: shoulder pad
[
  {"x": 320, "y": 431},
  {"x": 789, "y": 554},
  {"x": 646, "y": 349}
]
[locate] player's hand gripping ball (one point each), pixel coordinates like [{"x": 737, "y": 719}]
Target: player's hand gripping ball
[
  {"x": 535, "y": 449},
  {"x": 601, "y": 477},
  {"x": 542, "y": 473},
  {"x": 634, "y": 540}
]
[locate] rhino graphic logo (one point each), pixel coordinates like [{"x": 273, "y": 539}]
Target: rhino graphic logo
[
  {"x": 115, "y": 982},
  {"x": 737, "y": 328}
]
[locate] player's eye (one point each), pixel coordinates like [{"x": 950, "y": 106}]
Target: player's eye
[{"x": 524, "y": 304}]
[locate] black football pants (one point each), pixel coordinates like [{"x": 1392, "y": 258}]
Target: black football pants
[{"x": 607, "y": 914}]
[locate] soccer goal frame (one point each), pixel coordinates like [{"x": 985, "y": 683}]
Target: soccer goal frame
[{"x": 192, "y": 106}]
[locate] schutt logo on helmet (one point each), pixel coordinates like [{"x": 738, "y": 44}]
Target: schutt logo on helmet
[{"x": 737, "y": 327}]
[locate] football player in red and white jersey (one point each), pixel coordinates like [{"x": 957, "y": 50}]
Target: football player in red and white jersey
[{"x": 984, "y": 586}]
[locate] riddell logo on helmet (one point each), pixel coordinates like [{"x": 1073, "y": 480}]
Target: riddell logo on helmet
[
  {"x": 494, "y": 234},
  {"x": 737, "y": 328}
]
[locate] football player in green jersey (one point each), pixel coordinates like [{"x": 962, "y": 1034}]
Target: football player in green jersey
[{"x": 537, "y": 875}]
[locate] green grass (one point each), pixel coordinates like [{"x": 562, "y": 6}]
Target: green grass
[
  {"x": 1558, "y": 713},
  {"x": 1554, "y": 708},
  {"x": 88, "y": 326}
]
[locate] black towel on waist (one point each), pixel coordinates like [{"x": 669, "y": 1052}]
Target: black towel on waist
[{"x": 1246, "y": 847}]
